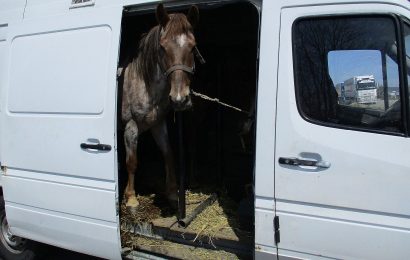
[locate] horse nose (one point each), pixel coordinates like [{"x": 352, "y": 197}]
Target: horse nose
[
  {"x": 181, "y": 103},
  {"x": 180, "y": 100}
]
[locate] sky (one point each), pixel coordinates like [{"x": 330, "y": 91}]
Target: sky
[{"x": 347, "y": 64}]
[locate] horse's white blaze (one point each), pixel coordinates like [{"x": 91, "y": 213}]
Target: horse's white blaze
[
  {"x": 179, "y": 96},
  {"x": 181, "y": 40}
]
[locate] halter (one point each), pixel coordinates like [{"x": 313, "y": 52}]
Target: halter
[
  {"x": 183, "y": 67},
  {"x": 189, "y": 70}
]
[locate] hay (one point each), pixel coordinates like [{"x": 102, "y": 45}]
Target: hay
[
  {"x": 148, "y": 210},
  {"x": 221, "y": 216},
  {"x": 218, "y": 218},
  {"x": 178, "y": 250},
  {"x": 151, "y": 207},
  {"x": 193, "y": 199}
]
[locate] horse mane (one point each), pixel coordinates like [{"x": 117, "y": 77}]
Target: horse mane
[{"x": 149, "y": 47}]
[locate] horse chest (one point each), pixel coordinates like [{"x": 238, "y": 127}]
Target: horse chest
[{"x": 149, "y": 115}]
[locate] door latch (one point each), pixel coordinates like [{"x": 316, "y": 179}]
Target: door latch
[
  {"x": 303, "y": 162},
  {"x": 101, "y": 147}
]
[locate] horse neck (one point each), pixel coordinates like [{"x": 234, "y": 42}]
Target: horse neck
[
  {"x": 148, "y": 67},
  {"x": 157, "y": 88}
]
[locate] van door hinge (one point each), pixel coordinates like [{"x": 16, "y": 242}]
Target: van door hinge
[{"x": 276, "y": 229}]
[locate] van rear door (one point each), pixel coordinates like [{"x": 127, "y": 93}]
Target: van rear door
[{"x": 58, "y": 130}]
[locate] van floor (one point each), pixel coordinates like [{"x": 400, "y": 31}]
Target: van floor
[{"x": 216, "y": 231}]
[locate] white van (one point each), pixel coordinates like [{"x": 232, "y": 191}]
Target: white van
[{"x": 331, "y": 179}]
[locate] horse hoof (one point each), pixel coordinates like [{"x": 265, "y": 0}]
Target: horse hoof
[{"x": 132, "y": 205}]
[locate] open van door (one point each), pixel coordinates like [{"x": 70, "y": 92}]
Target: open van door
[{"x": 58, "y": 130}]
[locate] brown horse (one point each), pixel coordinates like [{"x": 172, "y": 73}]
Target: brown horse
[{"x": 158, "y": 78}]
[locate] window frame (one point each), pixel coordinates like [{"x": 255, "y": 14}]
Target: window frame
[
  {"x": 398, "y": 26},
  {"x": 406, "y": 107}
]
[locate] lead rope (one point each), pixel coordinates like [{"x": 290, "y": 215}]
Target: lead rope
[
  {"x": 216, "y": 100},
  {"x": 205, "y": 97}
]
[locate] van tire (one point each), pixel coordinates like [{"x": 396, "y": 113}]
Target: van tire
[{"x": 26, "y": 250}]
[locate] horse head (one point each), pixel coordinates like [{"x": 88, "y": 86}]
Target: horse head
[{"x": 178, "y": 44}]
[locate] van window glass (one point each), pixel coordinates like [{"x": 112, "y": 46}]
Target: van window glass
[{"x": 346, "y": 72}]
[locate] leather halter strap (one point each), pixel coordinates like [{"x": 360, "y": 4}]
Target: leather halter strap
[{"x": 189, "y": 70}]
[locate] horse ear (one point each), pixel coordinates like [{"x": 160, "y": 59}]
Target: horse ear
[
  {"x": 162, "y": 15},
  {"x": 193, "y": 15}
]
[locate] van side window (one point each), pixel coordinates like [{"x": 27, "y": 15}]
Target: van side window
[{"x": 346, "y": 72}]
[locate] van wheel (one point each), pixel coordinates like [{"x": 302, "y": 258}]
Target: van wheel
[{"x": 14, "y": 247}]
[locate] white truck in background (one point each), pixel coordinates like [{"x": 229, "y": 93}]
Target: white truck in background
[{"x": 361, "y": 89}]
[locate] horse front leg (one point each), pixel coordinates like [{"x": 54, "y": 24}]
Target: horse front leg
[
  {"x": 160, "y": 134},
  {"x": 131, "y": 140}
]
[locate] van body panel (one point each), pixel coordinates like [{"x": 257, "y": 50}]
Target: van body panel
[
  {"x": 85, "y": 199},
  {"x": 3, "y": 65},
  {"x": 85, "y": 78},
  {"x": 3, "y": 35},
  {"x": 60, "y": 92},
  {"x": 11, "y": 10},
  {"x": 67, "y": 231},
  {"x": 357, "y": 207}
]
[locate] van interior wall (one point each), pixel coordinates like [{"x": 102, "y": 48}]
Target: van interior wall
[{"x": 227, "y": 37}]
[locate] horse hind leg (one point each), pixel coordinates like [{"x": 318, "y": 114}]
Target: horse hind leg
[
  {"x": 131, "y": 140},
  {"x": 160, "y": 134}
]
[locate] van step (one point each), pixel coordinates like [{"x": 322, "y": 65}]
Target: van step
[
  {"x": 156, "y": 249},
  {"x": 138, "y": 255},
  {"x": 168, "y": 229}
]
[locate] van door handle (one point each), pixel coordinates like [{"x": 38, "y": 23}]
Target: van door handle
[
  {"x": 101, "y": 147},
  {"x": 303, "y": 162}
]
